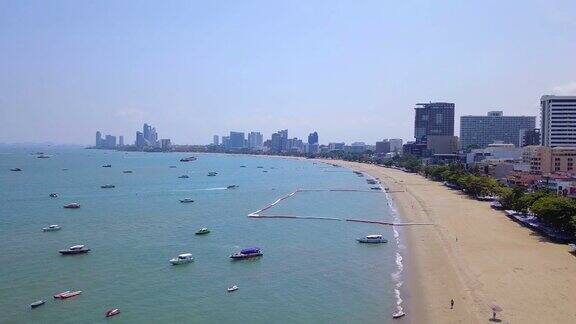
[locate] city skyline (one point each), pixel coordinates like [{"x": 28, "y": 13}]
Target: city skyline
[{"x": 201, "y": 69}]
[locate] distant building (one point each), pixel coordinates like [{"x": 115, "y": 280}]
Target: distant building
[
  {"x": 216, "y": 140},
  {"x": 442, "y": 144},
  {"x": 140, "y": 140},
  {"x": 335, "y": 147},
  {"x": 110, "y": 141},
  {"x": 558, "y": 121},
  {"x": 546, "y": 160},
  {"x": 415, "y": 149},
  {"x": 395, "y": 144},
  {"x": 497, "y": 151},
  {"x": 529, "y": 137},
  {"x": 226, "y": 142},
  {"x": 480, "y": 131},
  {"x": 236, "y": 140},
  {"x": 98, "y": 139},
  {"x": 313, "y": 138},
  {"x": 165, "y": 144},
  {"x": 383, "y": 147},
  {"x": 356, "y": 147},
  {"x": 279, "y": 141},
  {"x": 434, "y": 118},
  {"x": 121, "y": 140},
  {"x": 255, "y": 140}
]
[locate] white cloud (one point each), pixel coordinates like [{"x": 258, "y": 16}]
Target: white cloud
[{"x": 565, "y": 89}]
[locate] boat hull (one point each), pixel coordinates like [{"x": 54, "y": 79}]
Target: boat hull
[
  {"x": 179, "y": 261},
  {"x": 245, "y": 256},
  {"x": 37, "y": 304},
  {"x": 372, "y": 241},
  {"x": 71, "y": 252}
]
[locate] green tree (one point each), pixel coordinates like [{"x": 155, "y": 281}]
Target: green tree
[{"x": 556, "y": 211}]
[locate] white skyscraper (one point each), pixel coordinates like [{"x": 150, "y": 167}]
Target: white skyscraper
[
  {"x": 558, "y": 121},
  {"x": 216, "y": 140},
  {"x": 255, "y": 140}
]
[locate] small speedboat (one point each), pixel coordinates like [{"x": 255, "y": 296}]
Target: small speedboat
[
  {"x": 247, "y": 253},
  {"x": 182, "y": 259},
  {"x": 54, "y": 195},
  {"x": 72, "y": 206},
  {"x": 75, "y": 249},
  {"x": 108, "y": 186},
  {"x": 232, "y": 186},
  {"x": 260, "y": 167},
  {"x": 232, "y": 288},
  {"x": 172, "y": 167},
  {"x": 187, "y": 200},
  {"x": 59, "y": 295},
  {"x": 374, "y": 238},
  {"x": 242, "y": 166},
  {"x": 112, "y": 312},
  {"x": 37, "y": 303},
  {"x": 183, "y": 176},
  {"x": 16, "y": 169},
  {"x": 212, "y": 174},
  {"x": 398, "y": 314},
  {"x": 188, "y": 159},
  {"x": 43, "y": 156},
  {"x": 70, "y": 294},
  {"x": 52, "y": 228},
  {"x": 127, "y": 171},
  {"x": 202, "y": 231},
  {"x": 107, "y": 166},
  {"x": 376, "y": 188}
]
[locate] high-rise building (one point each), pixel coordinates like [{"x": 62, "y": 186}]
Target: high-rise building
[
  {"x": 110, "y": 141},
  {"x": 165, "y": 144},
  {"x": 529, "y": 137},
  {"x": 313, "y": 138},
  {"x": 216, "y": 140},
  {"x": 276, "y": 142},
  {"x": 98, "y": 139},
  {"x": 236, "y": 140},
  {"x": 434, "y": 118},
  {"x": 226, "y": 142},
  {"x": 395, "y": 144},
  {"x": 255, "y": 140},
  {"x": 147, "y": 130},
  {"x": 383, "y": 146},
  {"x": 480, "y": 131},
  {"x": 558, "y": 121},
  {"x": 140, "y": 140},
  {"x": 121, "y": 140}
]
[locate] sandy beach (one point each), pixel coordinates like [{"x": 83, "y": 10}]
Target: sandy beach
[{"x": 476, "y": 256}]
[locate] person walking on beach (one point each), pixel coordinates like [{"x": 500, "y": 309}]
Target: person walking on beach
[{"x": 451, "y": 303}]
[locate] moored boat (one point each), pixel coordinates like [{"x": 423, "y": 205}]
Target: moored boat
[
  {"x": 183, "y": 176},
  {"x": 374, "y": 238},
  {"x": 53, "y": 195},
  {"x": 16, "y": 169},
  {"x": 188, "y": 159},
  {"x": 72, "y": 206},
  {"x": 75, "y": 249},
  {"x": 232, "y": 186},
  {"x": 70, "y": 294},
  {"x": 187, "y": 200},
  {"x": 202, "y": 231},
  {"x": 107, "y": 166},
  {"x": 43, "y": 156},
  {"x": 398, "y": 314},
  {"x": 108, "y": 186},
  {"x": 232, "y": 288},
  {"x": 59, "y": 295},
  {"x": 182, "y": 259},
  {"x": 112, "y": 312},
  {"x": 52, "y": 228},
  {"x": 212, "y": 174},
  {"x": 37, "y": 303},
  {"x": 247, "y": 253},
  {"x": 127, "y": 171}
]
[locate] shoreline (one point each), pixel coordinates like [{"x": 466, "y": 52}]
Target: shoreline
[{"x": 474, "y": 255}]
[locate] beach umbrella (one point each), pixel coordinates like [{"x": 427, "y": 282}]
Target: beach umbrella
[{"x": 495, "y": 309}]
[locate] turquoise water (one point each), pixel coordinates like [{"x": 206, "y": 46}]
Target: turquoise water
[{"x": 312, "y": 271}]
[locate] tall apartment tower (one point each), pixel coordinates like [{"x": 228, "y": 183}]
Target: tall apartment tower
[
  {"x": 481, "y": 131},
  {"x": 216, "y": 140},
  {"x": 558, "y": 121},
  {"x": 434, "y": 118},
  {"x": 313, "y": 138}
]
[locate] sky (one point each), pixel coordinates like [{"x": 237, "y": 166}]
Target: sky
[{"x": 351, "y": 70}]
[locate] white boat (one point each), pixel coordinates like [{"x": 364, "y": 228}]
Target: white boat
[
  {"x": 187, "y": 200},
  {"x": 233, "y": 288},
  {"x": 374, "y": 238},
  {"x": 182, "y": 259},
  {"x": 52, "y": 228},
  {"x": 398, "y": 314}
]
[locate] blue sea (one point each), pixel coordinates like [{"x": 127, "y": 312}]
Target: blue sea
[{"x": 312, "y": 271}]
